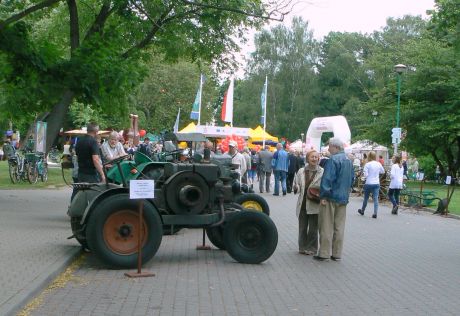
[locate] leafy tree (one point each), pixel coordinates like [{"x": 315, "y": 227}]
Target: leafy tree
[
  {"x": 95, "y": 50},
  {"x": 287, "y": 56}
]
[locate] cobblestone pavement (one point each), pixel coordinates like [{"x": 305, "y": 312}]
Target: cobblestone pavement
[
  {"x": 394, "y": 265},
  {"x": 33, "y": 245}
]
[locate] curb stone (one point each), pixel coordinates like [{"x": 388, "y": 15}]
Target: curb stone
[{"x": 19, "y": 301}]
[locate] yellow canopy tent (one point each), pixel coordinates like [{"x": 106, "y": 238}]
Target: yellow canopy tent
[
  {"x": 257, "y": 135},
  {"x": 190, "y": 128}
]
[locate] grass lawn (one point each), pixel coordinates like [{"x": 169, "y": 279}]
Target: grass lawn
[
  {"x": 54, "y": 179},
  {"x": 441, "y": 192}
]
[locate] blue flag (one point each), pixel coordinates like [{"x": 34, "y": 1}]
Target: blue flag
[
  {"x": 196, "y": 108},
  {"x": 263, "y": 102}
]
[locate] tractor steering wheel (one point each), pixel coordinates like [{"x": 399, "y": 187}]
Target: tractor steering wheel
[{"x": 116, "y": 160}]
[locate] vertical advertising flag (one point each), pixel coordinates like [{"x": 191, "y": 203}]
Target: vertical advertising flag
[
  {"x": 176, "y": 124},
  {"x": 263, "y": 102},
  {"x": 227, "y": 105},
  {"x": 196, "y": 109}
]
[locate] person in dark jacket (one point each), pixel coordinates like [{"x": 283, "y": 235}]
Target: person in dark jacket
[{"x": 292, "y": 170}]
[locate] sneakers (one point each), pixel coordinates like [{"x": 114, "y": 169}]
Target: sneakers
[
  {"x": 284, "y": 193},
  {"x": 360, "y": 211},
  {"x": 394, "y": 211},
  {"x": 374, "y": 215},
  {"x": 318, "y": 258},
  {"x": 336, "y": 258}
]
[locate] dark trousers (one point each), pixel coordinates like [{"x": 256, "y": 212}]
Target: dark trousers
[
  {"x": 264, "y": 179},
  {"x": 308, "y": 232},
  {"x": 393, "y": 195},
  {"x": 290, "y": 181}
]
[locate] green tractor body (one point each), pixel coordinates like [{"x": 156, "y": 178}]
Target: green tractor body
[{"x": 187, "y": 195}]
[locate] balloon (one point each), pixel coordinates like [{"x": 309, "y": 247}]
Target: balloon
[{"x": 142, "y": 133}]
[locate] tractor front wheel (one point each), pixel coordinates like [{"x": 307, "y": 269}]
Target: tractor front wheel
[
  {"x": 250, "y": 237},
  {"x": 253, "y": 202}
]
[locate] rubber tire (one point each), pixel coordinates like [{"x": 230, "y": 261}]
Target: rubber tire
[
  {"x": 262, "y": 248},
  {"x": 44, "y": 175},
  {"x": 32, "y": 173},
  {"x": 13, "y": 169},
  {"x": 95, "y": 238},
  {"x": 253, "y": 197},
  {"x": 78, "y": 232},
  {"x": 216, "y": 236}
]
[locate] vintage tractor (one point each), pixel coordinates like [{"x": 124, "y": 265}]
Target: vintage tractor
[{"x": 187, "y": 195}]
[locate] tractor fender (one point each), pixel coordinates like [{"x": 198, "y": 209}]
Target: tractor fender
[
  {"x": 83, "y": 198},
  {"x": 95, "y": 202}
]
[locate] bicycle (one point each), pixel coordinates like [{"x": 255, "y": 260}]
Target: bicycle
[
  {"x": 37, "y": 167},
  {"x": 18, "y": 168},
  {"x": 54, "y": 155}
]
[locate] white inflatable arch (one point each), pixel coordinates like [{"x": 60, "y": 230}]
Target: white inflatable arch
[{"x": 335, "y": 124}]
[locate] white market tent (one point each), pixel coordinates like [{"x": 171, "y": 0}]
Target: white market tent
[{"x": 365, "y": 146}]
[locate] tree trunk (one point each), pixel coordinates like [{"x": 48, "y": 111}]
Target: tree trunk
[{"x": 57, "y": 117}]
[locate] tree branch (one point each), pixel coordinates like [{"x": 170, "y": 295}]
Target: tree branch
[
  {"x": 100, "y": 20},
  {"x": 230, "y": 9},
  {"x": 150, "y": 35},
  {"x": 26, "y": 12},
  {"x": 74, "y": 26}
]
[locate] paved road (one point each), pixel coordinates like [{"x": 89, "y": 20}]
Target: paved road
[
  {"x": 394, "y": 265},
  {"x": 33, "y": 245}
]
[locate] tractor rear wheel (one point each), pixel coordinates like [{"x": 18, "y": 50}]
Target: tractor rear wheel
[
  {"x": 253, "y": 202},
  {"x": 113, "y": 230},
  {"x": 250, "y": 237}
]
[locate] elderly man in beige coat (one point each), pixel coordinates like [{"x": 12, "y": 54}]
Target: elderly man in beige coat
[{"x": 307, "y": 182}]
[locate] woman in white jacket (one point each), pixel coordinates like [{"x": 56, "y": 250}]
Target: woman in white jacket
[
  {"x": 307, "y": 182},
  {"x": 396, "y": 183},
  {"x": 372, "y": 171}
]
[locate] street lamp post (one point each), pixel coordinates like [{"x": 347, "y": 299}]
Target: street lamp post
[{"x": 399, "y": 69}]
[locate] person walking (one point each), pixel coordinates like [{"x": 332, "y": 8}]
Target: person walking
[
  {"x": 334, "y": 195},
  {"x": 306, "y": 182},
  {"x": 247, "y": 159},
  {"x": 292, "y": 170},
  {"x": 396, "y": 183},
  {"x": 237, "y": 158},
  {"x": 265, "y": 168},
  {"x": 372, "y": 171},
  {"x": 280, "y": 164}
]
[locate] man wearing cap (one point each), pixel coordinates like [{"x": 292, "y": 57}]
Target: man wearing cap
[
  {"x": 237, "y": 158},
  {"x": 334, "y": 195}
]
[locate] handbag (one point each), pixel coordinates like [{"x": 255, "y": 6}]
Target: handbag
[{"x": 313, "y": 195}]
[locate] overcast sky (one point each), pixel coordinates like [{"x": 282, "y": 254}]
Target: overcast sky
[{"x": 363, "y": 16}]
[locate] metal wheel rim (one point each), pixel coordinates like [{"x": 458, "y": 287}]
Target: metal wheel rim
[
  {"x": 117, "y": 226},
  {"x": 250, "y": 237},
  {"x": 253, "y": 205}
]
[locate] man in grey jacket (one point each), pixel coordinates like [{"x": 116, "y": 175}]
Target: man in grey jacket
[
  {"x": 334, "y": 193},
  {"x": 265, "y": 169}
]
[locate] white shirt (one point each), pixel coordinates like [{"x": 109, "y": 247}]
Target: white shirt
[
  {"x": 111, "y": 153},
  {"x": 372, "y": 170},
  {"x": 396, "y": 176},
  {"x": 238, "y": 159}
]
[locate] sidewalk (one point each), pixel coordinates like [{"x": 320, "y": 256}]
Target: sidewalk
[
  {"x": 394, "y": 265},
  {"x": 33, "y": 245}
]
